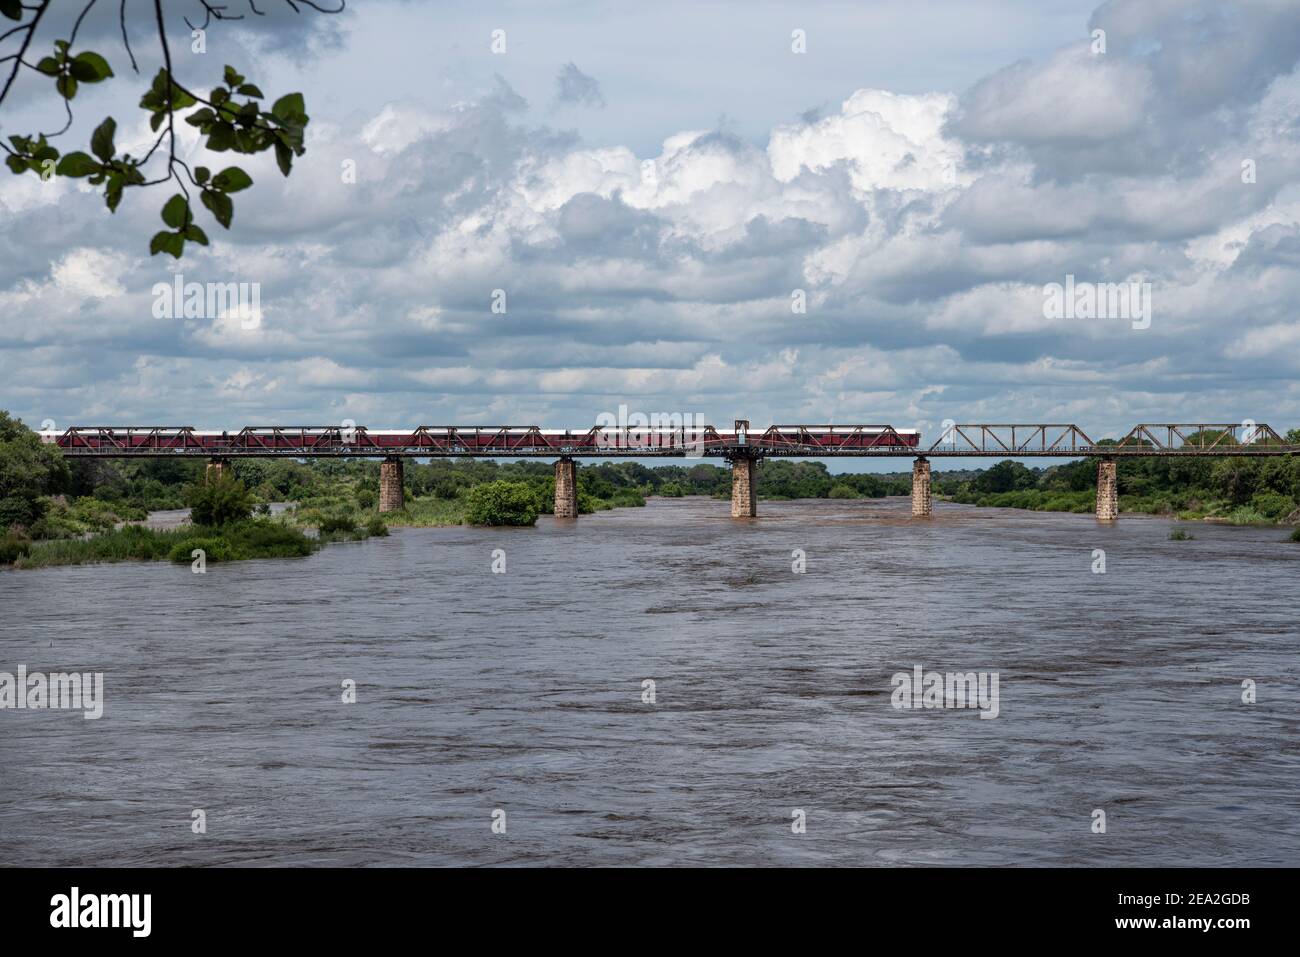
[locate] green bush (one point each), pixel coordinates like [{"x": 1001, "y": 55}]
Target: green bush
[
  {"x": 214, "y": 550},
  {"x": 502, "y": 503},
  {"x": 1295, "y": 536},
  {"x": 627, "y": 498},
  {"x": 13, "y": 547},
  {"x": 1006, "y": 476},
  {"x": 337, "y": 523},
  {"x": 671, "y": 490},
  {"x": 1272, "y": 505},
  {"x": 446, "y": 489},
  {"x": 258, "y": 538},
  {"x": 428, "y": 512},
  {"x": 220, "y": 503},
  {"x": 367, "y": 498},
  {"x": 129, "y": 543},
  {"x": 263, "y": 538},
  {"x": 376, "y": 527},
  {"x": 842, "y": 491},
  {"x": 1245, "y": 515},
  {"x": 1178, "y": 535}
]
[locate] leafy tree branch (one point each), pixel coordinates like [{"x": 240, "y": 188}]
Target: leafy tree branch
[{"x": 231, "y": 118}]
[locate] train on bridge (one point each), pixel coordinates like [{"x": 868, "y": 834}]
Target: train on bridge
[{"x": 477, "y": 440}]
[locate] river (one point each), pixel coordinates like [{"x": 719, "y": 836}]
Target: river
[{"x": 523, "y": 692}]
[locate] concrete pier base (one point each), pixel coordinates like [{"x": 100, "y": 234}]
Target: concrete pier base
[
  {"x": 1107, "y": 491},
  {"x": 217, "y": 470},
  {"x": 566, "y": 489},
  {"x": 744, "y": 488},
  {"x": 391, "y": 496},
  {"x": 922, "y": 502}
]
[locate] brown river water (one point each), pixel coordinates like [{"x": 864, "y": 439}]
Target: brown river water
[{"x": 522, "y": 692}]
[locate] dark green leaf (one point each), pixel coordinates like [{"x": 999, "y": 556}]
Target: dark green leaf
[
  {"x": 231, "y": 180},
  {"x": 49, "y": 66},
  {"x": 90, "y": 67},
  {"x": 166, "y": 242},
  {"x": 288, "y": 106},
  {"x": 284, "y": 157},
  {"x": 181, "y": 99},
  {"x": 220, "y": 206},
  {"x": 249, "y": 89},
  {"x": 101, "y": 142},
  {"x": 156, "y": 121},
  {"x": 231, "y": 77},
  {"x": 196, "y": 235},
  {"x": 77, "y": 164},
  {"x": 13, "y": 9},
  {"x": 221, "y": 137},
  {"x": 176, "y": 212},
  {"x": 201, "y": 173},
  {"x": 113, "y": 195},
  {"x": 16, "y": 163},
  {"x": 67, "y": 86}
]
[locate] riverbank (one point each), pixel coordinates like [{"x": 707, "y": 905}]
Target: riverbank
[
  {"x": 255, "y": 538},
  {"x": 1084, "y": 502},
  {"x": 433, "y": 512}
]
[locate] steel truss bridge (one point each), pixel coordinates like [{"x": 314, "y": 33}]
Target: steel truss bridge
[{"x": 821, "y": 441}]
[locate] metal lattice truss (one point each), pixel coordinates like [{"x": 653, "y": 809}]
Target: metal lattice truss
[
  {"x": 827, "y": 441},
  {"x": 1240, "y": 438},
  {"x": 1068, "y": 440},
  {"x": 1012, "y": 441}
]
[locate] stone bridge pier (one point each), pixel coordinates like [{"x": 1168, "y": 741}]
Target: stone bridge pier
[
  {"x": 566, "y": 488},
  {"x": 922, "y": 502},
  {"x": 744, "y": 487},
  {"x": 217, "y": 470},
  {"x": 1107, "y": 490},
  {"x": 391, "y": 495}
]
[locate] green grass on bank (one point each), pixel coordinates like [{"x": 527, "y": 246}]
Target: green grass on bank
[
  {"x": 1036, "y": 499},
  {"x": 428, "y": 512},
  {"x": 256, "y": 538},
  {"x": 1262, "y": 510},
  {"x": 434, "y": 512}
]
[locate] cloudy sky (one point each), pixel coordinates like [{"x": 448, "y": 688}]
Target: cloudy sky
[{"x": 650, "y": 184}]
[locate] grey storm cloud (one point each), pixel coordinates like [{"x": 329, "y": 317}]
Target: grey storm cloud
[{"x": 572, "y": 86}]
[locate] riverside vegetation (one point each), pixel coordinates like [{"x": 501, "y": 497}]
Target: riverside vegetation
[{"x": 55, "y": 510}]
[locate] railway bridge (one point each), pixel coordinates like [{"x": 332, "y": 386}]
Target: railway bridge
[{"x": 742, "y": 447}]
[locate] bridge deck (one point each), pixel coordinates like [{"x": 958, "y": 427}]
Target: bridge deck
[{"x": 875, "y": 441}]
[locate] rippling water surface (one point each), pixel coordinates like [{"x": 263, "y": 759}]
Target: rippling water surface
[{"x": 522, "y": 691}]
